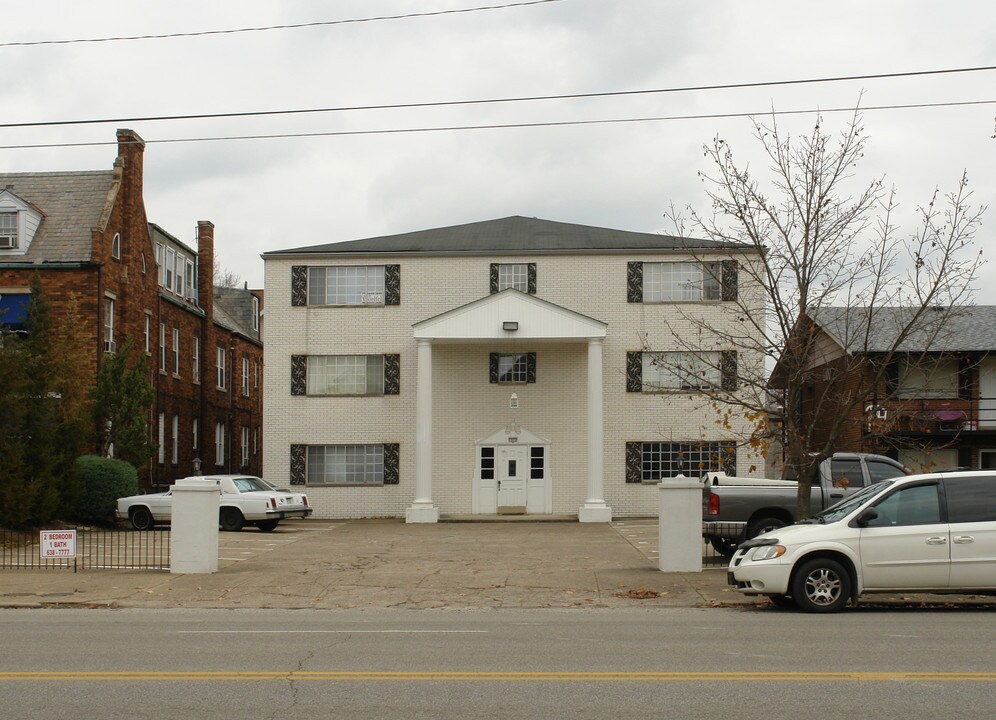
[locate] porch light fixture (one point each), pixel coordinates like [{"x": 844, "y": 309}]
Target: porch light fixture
[
  {"x": 513, "y": 402},
  {"x": 510, "y": 325}
]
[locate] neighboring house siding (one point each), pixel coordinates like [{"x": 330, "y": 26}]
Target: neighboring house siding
[{"x": 466, "y": 406}]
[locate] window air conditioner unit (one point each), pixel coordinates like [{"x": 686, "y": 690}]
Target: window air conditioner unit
[{"x": 8, "y": 242}]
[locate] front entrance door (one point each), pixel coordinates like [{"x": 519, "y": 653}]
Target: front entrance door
[{"x": 513, "y": 473}]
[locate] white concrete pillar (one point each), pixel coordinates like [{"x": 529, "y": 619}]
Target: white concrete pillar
[
  {"x": 594, "y": 508},
  {"x": 422, "y": 510},
  {"x": 680, "y": 517},
  {"x": 194, "y": 526}
]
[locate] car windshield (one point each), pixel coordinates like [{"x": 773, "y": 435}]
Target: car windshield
[
  {"x": 846, "y": 506},
  {"x": 249, "y": 484}
]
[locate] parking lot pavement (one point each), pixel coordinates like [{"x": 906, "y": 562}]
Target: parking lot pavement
[
  {"x": 641, "y": 533},
  {"x": 250, "y": 544}
]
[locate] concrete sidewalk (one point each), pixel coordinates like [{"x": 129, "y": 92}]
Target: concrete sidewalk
[{"x": 386, "y": 563}]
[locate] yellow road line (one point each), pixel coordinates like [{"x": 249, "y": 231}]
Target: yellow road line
[{"x": 567, "y": 676}]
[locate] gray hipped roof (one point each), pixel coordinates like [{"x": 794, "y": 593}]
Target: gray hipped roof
[
  {"x": 72, "y": 203},
  {"x": 970, "y": 328},
  {"x": 509, "y": 235}
]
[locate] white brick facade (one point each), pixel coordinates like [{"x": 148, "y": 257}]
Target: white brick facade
[{"x": 466, "y": 407}]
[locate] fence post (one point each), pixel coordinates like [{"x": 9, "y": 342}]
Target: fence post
[
  {"x": 194, "y": 531},
  {"x": 680, "y": 519}
]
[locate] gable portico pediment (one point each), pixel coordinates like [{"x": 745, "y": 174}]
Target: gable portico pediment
[{"x": 487, "y": 318}]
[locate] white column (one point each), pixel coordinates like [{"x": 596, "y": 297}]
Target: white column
[
  {"x": 422, "y": 510},
  {"x": 594, "y": 508}
]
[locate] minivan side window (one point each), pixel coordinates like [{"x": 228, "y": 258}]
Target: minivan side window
[
  {"x": 910, "y": 505},
  {"x": 970, "y": 499}
]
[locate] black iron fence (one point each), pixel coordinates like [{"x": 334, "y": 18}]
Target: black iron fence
[{"x": 96, "y": 548}]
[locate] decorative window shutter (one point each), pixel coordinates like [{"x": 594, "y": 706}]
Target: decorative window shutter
[
  {"x": 299, "y": 285},
  {"x": 728, "y": 369},
  {"x": 298, "y": 464},
  {"x": 299, "y": 374},
  {"x": 531, "y": 282},
  {"x": 729, "y": 459},
  {"x": 493, "y": 367},
  {"x": 531, "y": 367},
  {"x": 494, "y": 278},
  {"x": 634, "y": 282},
  {"x": 392, "y": 374},
  {"x": 392, "y": 284},
  {"x": 728, "y": 281},
  {"x": 634, "y": 462},
  {"x": 634, "y": 372},
  {"x": 392, "y": 463}
]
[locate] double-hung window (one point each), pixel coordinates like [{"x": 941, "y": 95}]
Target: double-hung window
[
  {"x": 676, "y": 281},
  {"x": 221, "y": 367},
  {"x": 512, "y": 368},
  {"x": 147, "y": 333},
  {"x": 176, "y": 351},
  {"x": 195, "y": 372},
  {"x": 681, "y": 371},
  {"x": 162, "y": 347},
  {"x": 346, "y": 285},
  {"x": 345, "y": 375},
  {"x": 8, "y": 230},
  {"x": 109, "y": 346},
  {"x": 175, "y": 438},
  {"x": 704, "y": 371},
  {"x": 245, "y": 377},
  {"x": 245, "y": 446},
  {"x": 513, "y": 275},
  {"x": 219, "y": 443}
]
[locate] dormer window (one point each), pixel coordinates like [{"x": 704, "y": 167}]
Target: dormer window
[
  {"x": 8, "y": 230},
  {"x": 255, "y": 313}
]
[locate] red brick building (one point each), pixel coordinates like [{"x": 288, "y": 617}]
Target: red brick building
[{"x": 86, "y": 233}]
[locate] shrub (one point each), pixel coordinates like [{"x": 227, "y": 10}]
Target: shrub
[{"x": 103, "y": 481}]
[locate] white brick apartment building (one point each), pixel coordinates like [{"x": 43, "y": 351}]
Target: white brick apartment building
[{"x": 496, "y": 367}]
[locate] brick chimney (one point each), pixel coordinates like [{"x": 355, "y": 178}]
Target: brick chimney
[
  {"x": 131, "y": 150},
  {"x": 205, "y": 267}
]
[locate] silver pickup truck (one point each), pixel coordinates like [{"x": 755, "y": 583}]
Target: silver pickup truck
[{"x": 738, "y": 509}]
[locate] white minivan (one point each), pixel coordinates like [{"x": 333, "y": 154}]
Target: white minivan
[{"x": 932, "y": 533}]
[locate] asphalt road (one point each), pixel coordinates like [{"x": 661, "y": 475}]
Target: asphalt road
[{"x": 620, "y": 663}]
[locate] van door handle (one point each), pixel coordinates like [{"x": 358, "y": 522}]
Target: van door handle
[
  {"x": 937, "y": 540},
  {"x": 964, "y": 539}
]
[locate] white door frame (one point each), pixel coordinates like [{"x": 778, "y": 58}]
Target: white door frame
[{"x": 539, "y": 491}]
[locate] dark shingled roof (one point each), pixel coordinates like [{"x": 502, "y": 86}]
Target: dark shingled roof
[
  {"x": 970, "y": 328},
  {"x": 509, "y": 235},
  {"x": 72, "y": 203},
  {"x": 233, "y": 310}
]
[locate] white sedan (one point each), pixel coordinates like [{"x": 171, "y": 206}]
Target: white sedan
[{"x": 244, "y": 500}]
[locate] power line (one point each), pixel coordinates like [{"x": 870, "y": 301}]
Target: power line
[
  {"x": 492, "y": 101},
  {"x": 503, "y": 126},
  {"x": 294, "y": 26}
]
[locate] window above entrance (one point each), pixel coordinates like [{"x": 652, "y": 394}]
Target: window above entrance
[
  {"x": 512, "y": 368},
  {"x": 518, "y": 276}
]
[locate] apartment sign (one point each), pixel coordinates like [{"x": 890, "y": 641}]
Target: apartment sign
[{"x": 58, "y": 544}]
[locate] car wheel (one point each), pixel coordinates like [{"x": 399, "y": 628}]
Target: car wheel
[
  {"x": 763, "y": 525},
  {"x": 141, "y": 518},
  {"x": 821, "y": 585},
  {"x": 784, "y": 602},
  {"x": 267, "y": 525},
  {"x": 231, "y": 520},
  {"x": 726, "y": 547}
]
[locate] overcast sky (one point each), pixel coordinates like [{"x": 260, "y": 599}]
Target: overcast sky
[{"x": 268, "y": 194}]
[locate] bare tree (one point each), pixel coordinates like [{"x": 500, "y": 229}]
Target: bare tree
[
  {"x": 223, "y": 277},
  {"x": 829, "y": 244}
]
